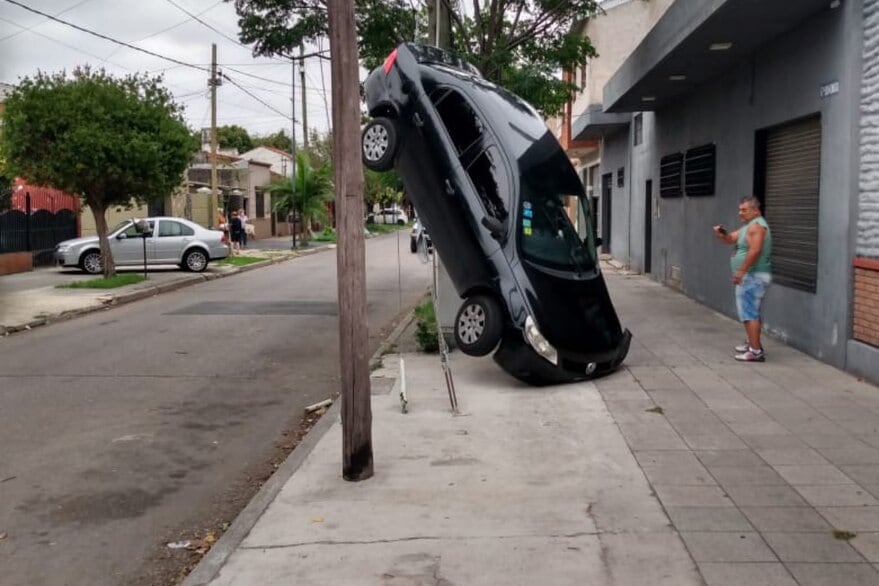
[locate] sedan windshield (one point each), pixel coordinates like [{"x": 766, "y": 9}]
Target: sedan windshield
[{"x": 555, "y": 226}]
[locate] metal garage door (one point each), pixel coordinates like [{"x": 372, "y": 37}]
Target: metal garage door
[{"x": 792, "y": 162}]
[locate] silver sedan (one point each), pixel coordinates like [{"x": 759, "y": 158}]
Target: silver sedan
[{"x": 169, "y": 241}]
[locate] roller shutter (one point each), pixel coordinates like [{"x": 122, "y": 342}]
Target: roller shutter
[{"x": 790, "y": 198}]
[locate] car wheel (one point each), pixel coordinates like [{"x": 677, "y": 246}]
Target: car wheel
[
  {"x": 195, "y": 260},
  {"x": 479, "y": 325},
  {"x": 400, "y": 222},
  {"x": 413, "y": 245},
  {"x": 90, "y": 262},
  {"x": 379, "y": 144}
]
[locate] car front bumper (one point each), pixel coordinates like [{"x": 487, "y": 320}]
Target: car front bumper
[{"x": 517, "y": 358}]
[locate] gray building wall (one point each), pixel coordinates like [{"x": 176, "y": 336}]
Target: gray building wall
[
  {"x": 868, "y": 220},
  {"x": 780, "y": 84}
]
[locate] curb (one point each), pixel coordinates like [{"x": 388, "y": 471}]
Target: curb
[
  {"x": 212, "y": 563},
  {"x": 113, "y": 300}
]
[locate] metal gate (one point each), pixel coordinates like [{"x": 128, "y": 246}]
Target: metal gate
[
  {"x": 37, "y": 232},
  {"x": 788, "y": 168}
]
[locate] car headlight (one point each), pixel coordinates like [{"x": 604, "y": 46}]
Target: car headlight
[
  {"x": 539, "y": 343},
  {"x": 62, "y": 249}
]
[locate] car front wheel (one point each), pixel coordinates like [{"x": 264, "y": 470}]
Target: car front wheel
[
  {"x": 90, "y": 262},
  {"x": 195, "y": 260},
  {"x": 379, "y": 144},
  {"x": 479, "y": 325}
]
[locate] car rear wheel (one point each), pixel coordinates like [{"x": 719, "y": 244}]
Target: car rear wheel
[
  {"x": 90, "y": 262},
  {"x": 195, "y": 260},
  {"x": 379, "y": 144},
  {"x": 479, "y": 325}
]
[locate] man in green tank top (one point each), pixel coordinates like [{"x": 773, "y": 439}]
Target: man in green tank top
[{"x": 752, "y": 273}]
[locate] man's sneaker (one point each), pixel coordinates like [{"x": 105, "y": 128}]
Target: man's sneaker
[
  {"x": 751, "y": 355},
  {"x": 742, "y": 348}
]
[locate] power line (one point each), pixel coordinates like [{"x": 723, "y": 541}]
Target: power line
[
  {"x": 102, "y": 36},
  {"x": 197, "y": 19},
  {"x": 266, "y": 79},
  {"x": 31, "y": 28},
  {"x": 257, "y": 98}
]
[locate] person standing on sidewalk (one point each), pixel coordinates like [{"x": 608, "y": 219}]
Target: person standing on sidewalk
[
  {"x": 244, "y": 227},
  {"x": 752, "y": 272}
]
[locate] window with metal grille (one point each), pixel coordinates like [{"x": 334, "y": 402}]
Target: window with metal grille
[
  {"x": 699, "y": 170},
  {"x": 621, "y": 176},
  {"x": 787, "y": 173},
  {"x": 671, "y": 168}
]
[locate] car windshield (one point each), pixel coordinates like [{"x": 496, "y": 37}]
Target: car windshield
[
  {"x": 119, "y": 226},
  {"x": 555, "y": 227}
]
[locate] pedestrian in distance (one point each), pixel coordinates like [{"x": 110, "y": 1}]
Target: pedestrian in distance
[
  {"x": 752, "y": 272},
  {"x": 236, "y": 231},
  {"x": 243, "y": 217}
]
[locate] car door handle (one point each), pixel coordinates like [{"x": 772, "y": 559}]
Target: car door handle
[
  {"x": 449, "y": 189},
  {"x": 417, "y": 120}
]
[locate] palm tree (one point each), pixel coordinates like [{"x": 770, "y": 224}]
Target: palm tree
[{"x": 314, "y": 188}]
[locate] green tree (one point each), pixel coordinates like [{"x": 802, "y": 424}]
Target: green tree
[
  {"x": 234, "y": 137},
  {"x": 383, "y": 189},
  {"x": 314, "y": 188},
  {"x": 111, "y": 141},
  {"x": 278, "y": 140},
  {"x": 520, "y": 44}
]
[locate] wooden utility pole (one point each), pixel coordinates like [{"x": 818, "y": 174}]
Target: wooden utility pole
[
  {"x": 304, "y": 102},
  {"x": 351, "y": 253},
  {"x": 212, "y": 207}
]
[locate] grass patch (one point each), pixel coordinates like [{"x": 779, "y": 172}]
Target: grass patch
[
  {"x": 102, "y": 283},
  {"x": 240, "y": 261},
  {"x": 425, "y": 328},
  {"x": 844, "y": 535},
  {"x": 385, "y": 228}
]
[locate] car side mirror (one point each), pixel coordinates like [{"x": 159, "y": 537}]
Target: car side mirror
[
  {"x": 121, "y": 236},
  {"x": 496, "y": 228}
]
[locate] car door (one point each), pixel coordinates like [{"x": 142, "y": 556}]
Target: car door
[
  {"x": 128, "y": 246},
  {"x": 173, "y": 237}
]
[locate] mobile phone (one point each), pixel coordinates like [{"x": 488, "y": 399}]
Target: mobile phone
[{"x": 721, "y": 230}]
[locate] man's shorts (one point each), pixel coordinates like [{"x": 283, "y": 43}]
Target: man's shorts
[{"x": 750, "y": 293}]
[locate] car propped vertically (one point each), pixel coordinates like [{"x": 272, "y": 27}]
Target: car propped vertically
[{"x": 505, "y": 210}]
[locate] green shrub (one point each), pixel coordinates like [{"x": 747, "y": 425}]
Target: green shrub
[{"x": 425, "y": 328}]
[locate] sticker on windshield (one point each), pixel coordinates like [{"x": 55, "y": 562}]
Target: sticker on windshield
[
  {"x": 526, "y": 231},
  {"x": 526, "y": 223}
]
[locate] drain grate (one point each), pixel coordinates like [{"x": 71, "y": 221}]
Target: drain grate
[{"x": 259, "y": 308}]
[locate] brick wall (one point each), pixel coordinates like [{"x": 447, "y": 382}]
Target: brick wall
[
  {"x": 16, "y": 262},
  {"x": 866, "y": 314}
]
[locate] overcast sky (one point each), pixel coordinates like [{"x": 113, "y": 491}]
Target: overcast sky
[{"x": 30, "y": 42}]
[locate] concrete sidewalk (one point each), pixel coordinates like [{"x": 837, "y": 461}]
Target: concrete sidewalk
[{"x": 684, "y": 467}]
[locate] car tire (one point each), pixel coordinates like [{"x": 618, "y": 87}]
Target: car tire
[
  {"x": 195, "y": 260},
  {"x": 400, "y": 222},
  {"x": 413, "y": 245},
  {"x": 378, "y": 144},
  {"x": 90, "y": 262},
  {"x": 479, "y": 325}
]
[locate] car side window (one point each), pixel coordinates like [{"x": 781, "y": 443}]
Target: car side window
[
  {"x": 171, "y": 228},
  {"x": 490, "y": 180},
  {"x": 131, "y": 231},
  {"x": 465, "y": 127}
]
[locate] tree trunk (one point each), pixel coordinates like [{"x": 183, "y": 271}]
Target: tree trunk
[{"x": 100, "y": 214}]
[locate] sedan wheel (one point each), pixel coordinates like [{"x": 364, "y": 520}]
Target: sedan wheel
[
  {"x": 90, "y": 262},
  {"x": 195, "y": 261},
  {"x": 478, "y": 325},
  {"x": 379, "y": 144}
]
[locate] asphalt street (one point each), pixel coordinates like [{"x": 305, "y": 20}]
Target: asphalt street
[{"x": 125, "y": 428}]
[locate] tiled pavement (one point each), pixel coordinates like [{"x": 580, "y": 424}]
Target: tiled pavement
[{"x": 770, "y": 472}]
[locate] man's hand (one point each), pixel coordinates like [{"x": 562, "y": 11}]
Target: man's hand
[{"x": 737, "y": 278}]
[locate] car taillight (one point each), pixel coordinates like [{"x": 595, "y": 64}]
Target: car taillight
[{"x": 389, "y": 62}]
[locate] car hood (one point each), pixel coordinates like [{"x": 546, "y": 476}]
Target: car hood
[
  {"x": 78, "y": 241},
  {"x": 575, "y": 315}
]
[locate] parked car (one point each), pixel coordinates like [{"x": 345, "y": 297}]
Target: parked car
[
  {"x": 388, "y": 216},
  {"x": 170, "y": 241},
  {"x": 419, "y": 237},
  {"x": 505, "y": 210}
]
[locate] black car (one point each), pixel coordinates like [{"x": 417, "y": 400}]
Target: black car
[{"x": 505, "y": 211}]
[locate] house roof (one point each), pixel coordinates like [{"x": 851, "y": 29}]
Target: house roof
[{"x": 677, "y": 56}]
